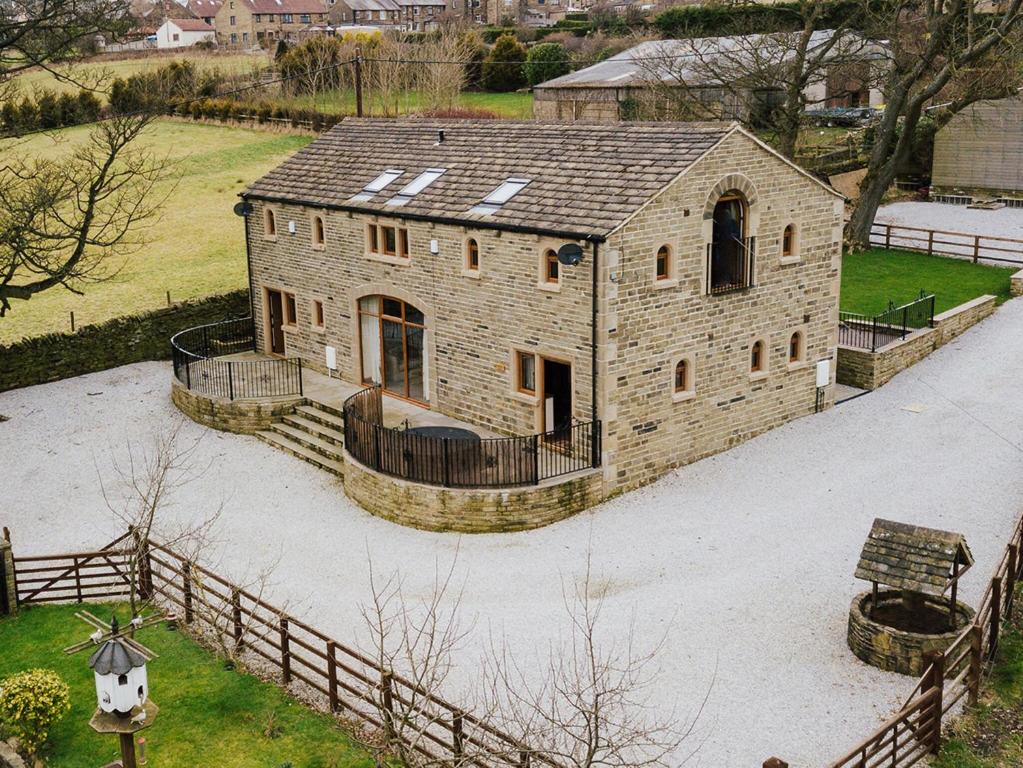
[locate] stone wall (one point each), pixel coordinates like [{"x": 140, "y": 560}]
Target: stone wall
[
  {"x": 1016, "y": 284},
  {"x": 123, "y": 340},
  {"x": 245, "y": 417},
  {"x": 869, "y": 370},
  {"x": 470, "y": 510}
]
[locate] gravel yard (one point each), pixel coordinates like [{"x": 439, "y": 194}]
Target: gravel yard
[
  {"x": 1005, "y": 222},
  {"x": 744, "y": 559}
]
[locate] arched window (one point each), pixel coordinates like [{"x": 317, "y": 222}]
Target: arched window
[
  {"x": 472, "y": 255},
  {"x": 663, "y": 262},
  {"x": 319, "y": 236},
  {"x": 796, "y": 347},
  {"x": 551, "y": 266},
  {"x": 730, "y": 256},
  {"x": 682, "y": 375},
  {"x": 393, "y": 347},
  {"x": 788, "y": 242},
  {"x": 269, "y": 223},
  {"x": 756, "y": 357}
]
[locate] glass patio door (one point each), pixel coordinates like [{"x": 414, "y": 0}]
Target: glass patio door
[{"x": 393, "y": 337}]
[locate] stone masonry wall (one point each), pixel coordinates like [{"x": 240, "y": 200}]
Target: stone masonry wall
[
  {"x": 490, "y": 510},
  {"x": 474, "y": 323},
  {"x": 650, "y": 325},
  {"x": 245, "y": 417},
  {"x": 123, "y": 340},
  {"x": 1016, "y": 284},
  {"x": 870, "y": 370}
]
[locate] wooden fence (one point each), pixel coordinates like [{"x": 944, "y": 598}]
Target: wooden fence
[
  {"x": 936, "y": 242},
  {"x": 353, "y": 685},
  {"x": 915, "y": 731}
]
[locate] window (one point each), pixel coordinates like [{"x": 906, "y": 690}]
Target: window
[
  {"x": 551, "y": 267},
  {"x": 258, "y": 19},
  {"x": 233, "y": 21},
  {"x": 472, "y": 255},
  {"x": 757, "y": 363},
  {"x": 245, "y": 37},
  {"x": 269, "y": 223},
  {"x": 318, "y": 231},
  {"x": 417, "y": 185},
  {"x": 525, "y": 377},
  {"x": 318, "y": 319},
  {"x": 234, "y": 39},
  {"x": 663, "y": 262},
  {"x": 682, "y": 376},
  {"x": 788, "y": 242},
  {"x": 305, "y": 18},
  {"x": 492, "y": 203},
  {"x": 387, "y": 240},
  {"x": 730, "y": 253},
  {"x": 286, "y": 18},
  {"x": 796, "y": 347},
  {"x": 175, "y": 37},
  {"x": 290, "y": 309}
]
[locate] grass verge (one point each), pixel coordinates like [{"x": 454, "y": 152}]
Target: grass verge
[
  {"x": 209, "y": 715},
  {"x": 872, "y": 278}
]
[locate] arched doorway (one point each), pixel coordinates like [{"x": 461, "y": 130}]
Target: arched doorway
[
  {"x": 393, "y": 341},
  {"x": 728, "y": 250}
]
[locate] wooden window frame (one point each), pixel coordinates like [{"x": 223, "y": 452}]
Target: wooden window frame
[
  {"x": 688, "y": 389},
  {"x": 790, "y": 254},
  {"x": 319, "y": 315},
  {"x": 550, "y": 257},
  {"x": 797, "y": 335},
  {"x": 666, "y": 259},
  {"x": 472, "y": 255},
  {"x": 381, "y": 316},
  {"x": 290, "y": 307},
  {"x": 376, "y": 243},
  {"x": 269, "y": 224},
  {"x": 318, "y": 231},
  {"x": 758, "y": 360},
  {"x": 520, "y": 356}
]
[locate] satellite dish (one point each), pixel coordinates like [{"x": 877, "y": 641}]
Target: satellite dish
[
  {"x": 570, "y": 254},
  {"x": 242, "y": 208}
]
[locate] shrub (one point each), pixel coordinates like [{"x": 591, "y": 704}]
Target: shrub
[
  {"x": 545, "y": 62},
  {"x": 48, "y": 110},
  {"x": 31, "y": 702},
  {"x": 89, "y": 106},
  {"x": 502, "y": 69}
]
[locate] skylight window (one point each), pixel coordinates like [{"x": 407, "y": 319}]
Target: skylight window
[
  {"x": 417, "y": 185},
  {"x": 492, "y": 203},
  {"x": 378, "y": 184}
]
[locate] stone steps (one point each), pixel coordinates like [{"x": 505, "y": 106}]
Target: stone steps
[{"x": 312, "y": 433}]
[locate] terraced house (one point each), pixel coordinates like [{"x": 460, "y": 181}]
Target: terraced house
[
  {"x": 247, "y": 23},
  {"x": 531, "y": 316}
]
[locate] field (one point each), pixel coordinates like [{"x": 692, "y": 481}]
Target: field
[
  {"x": 209, "y": 715},
  {"x": 95, "y": 69},
  {"x": 196, "y": 249},
  {"x": 873, "y": 278},
  {"x": 517, "y": 105}
]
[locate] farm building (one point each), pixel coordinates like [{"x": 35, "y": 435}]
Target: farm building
[
  {"x": 707, "y": 78},
  {"x": 183, "y": 33},
  {"x": 979, "y": 152},
  {"x": 560, "y": 310}
]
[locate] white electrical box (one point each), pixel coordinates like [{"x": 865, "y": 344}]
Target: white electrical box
[
  {"x": 291, "y": 227},
  {"x": 331, "y": 354},
  {"x": 434, "y": 247},
  {"x": 823, "y": 373}
]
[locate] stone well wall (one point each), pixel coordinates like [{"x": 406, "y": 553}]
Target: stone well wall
[
  {"x": 242, "y": 416},
  {"x": 869, "y": 370},
  {"x": 1016, "y": 284},
  {"x": 470, "y": 510}
]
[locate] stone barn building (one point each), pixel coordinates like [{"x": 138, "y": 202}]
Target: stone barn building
[{"x": 673, "y": 287}]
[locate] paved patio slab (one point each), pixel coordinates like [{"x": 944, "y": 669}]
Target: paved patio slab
[{"x": 744, "y": 559}]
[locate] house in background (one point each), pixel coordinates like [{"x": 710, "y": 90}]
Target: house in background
[
  {"x": 182, "y": 33},
  {"x": 979, "y": 153},
  {"x": 710, "y": 75},
  {"x": 631, "y": 297},
  {"x": 251, "y": 23},
  {"x": 402, "y": 15},
  {"x": 204, "y": 9}
]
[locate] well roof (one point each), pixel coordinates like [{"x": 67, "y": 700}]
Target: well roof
[
  {"x": 913, "y": 557},
  {"x": 115, "y": 657},
  {"x": 584, "y": 179}
]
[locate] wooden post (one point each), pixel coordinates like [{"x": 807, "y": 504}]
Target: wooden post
[
  {"x": 186, "y": 589},
  {"x": 996, "y": 615},
  {"x": 335, "y": 704},
  {"x": 285, "y": 651},
  {"x": 128, "y": 751},
  {"x": 236, "y": 618},
  {"x": 887, "y": 236},
  {"x": 78, "y": 582},
  {"x": 976, "y": 663},
  {"x": 954, "y": 597},
  {"x": 457, "y": 745},
  {"x": 930, "y": 242},
  {"x": 358, "y": 82},
  {"x": 936, "y": 659},
  {"x": 8, "y": 577},
  {"x": 976, "y": 248},
  {"x": 72, "y": 321},
  {"x": 1010, "y": 580}
]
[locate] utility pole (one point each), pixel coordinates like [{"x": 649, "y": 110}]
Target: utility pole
[{"x": 358, "y": 82}]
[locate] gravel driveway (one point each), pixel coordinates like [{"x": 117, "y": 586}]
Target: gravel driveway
[
  {"x": 751, "y": 551},
  {"x": 1005, "y": 222}
]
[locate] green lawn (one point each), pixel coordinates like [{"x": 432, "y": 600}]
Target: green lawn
[
  {"x": 90, "y": 71},
  {"x": 991, "y": 735},
  {"x": 196, "y": 249},
  {"x": 873, "y": 278},
  {"x": 209, "y": 716},
  {"x": 508, "y": 105}
]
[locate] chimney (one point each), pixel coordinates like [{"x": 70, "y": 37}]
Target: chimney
[{"x": 440, "y": 136}]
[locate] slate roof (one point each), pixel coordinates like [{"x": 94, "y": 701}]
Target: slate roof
[
  {"x": 115, "y": 657},
  {"x": 584, "y": 179},
  {"x": 912, "y": 557},
  {"x": 286, "y": 6},
  {"x": 191, "y": 25}
]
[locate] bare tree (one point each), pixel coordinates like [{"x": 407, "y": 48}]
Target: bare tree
[
  {"x": 442, "y": 77},
  {"x": 70, "y": 221},
  {"x": 939, "y": 49},
  {"x": 592, "y": 703}
]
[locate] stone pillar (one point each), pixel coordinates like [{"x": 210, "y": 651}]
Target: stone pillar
[{"x": 9, "y": 598}]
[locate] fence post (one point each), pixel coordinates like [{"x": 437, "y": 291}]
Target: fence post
[
  {"x": 887, "y": 236},
  {"x": 873, "y": 335},
  {"x": 285, "y": 651},
  {"x": 536, "y": 459},
  {"x": 976, "y": 663},
  {"x": 930, "y": 242},
  {"x": 78, "y": 581},
  {"x": 447, "y": 469},
  {"x": 230, "y": 381},
  {"x": 976, "y": 248},
  {"x": 301, "y": 391},
  {"x": 236, "y": 618},
  {"x": 1010, "y": 580},
  {"x": 8, "y": 577},
  {"x": 996, "y": 615},
  {"x": 457, "y": 745},
  {"x": 186, "y": 590},
  {"x": 937, "y": 680},
  {"x": 335, "y": 705},
  {"x": 188, "y": 374},
  {"x": 387, "y": 697}
]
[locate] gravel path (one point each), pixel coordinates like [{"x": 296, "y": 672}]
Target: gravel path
[
  {"x": 752, "y": 551},
  {"x": 1005, "y": 222}
]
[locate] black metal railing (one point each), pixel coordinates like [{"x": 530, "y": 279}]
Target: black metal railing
[
  {"x": 894, "y": 324},
  {"x": 731, "y": 265},
  {"x": 458, "y": 463},
  {"x": 197, "y": 356}
]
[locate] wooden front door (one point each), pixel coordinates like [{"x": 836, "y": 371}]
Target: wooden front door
[{"x": 275, "y": 304}]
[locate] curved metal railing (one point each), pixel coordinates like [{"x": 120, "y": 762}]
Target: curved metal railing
[
  {"x": 499, "y": 462},
  {"x": 197, "y": 355}
]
